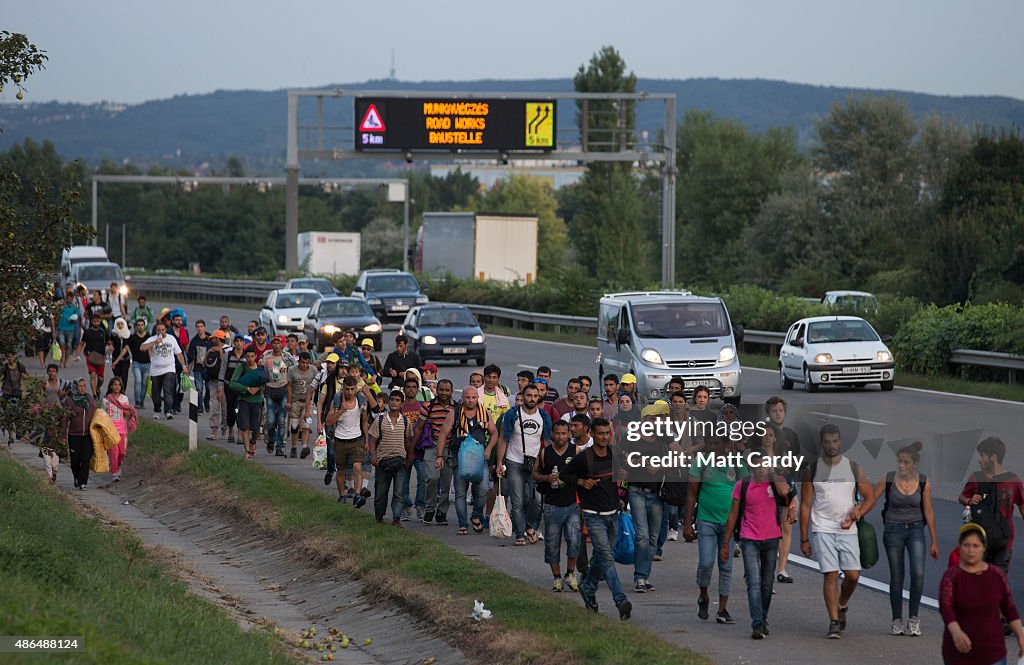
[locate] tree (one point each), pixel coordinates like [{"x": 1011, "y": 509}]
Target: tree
[
  {"x": 381, "y": 244},
  {"x": 531, "y": 195},
  {"x": 608, "y": 229},
  {"x": 725, "y": 174},
  {"x": 19, "y": 59}
]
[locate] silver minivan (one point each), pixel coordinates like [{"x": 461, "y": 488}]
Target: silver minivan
[{"x": 658, "y": 335}]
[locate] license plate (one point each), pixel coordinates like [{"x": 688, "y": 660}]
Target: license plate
[
  {"x": 454, "y": 349},
  {"x": 857, "y": 369},
  {"x": 400, "y": 308},
  {"x": 707, "y": 383}
]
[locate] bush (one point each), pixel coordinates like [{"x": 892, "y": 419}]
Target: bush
[{"x": 760, "y": 309}]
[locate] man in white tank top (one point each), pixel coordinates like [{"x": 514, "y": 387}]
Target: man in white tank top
[{"x": 828, "y": 516}]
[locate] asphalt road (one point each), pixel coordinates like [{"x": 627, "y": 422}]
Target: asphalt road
[{"x": 874, "y": 424}]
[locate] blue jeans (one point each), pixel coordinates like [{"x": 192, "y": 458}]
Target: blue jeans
[
  {"x": 759, "y": 558},
  {"x": 561, "y": 521},
  {"x": 479, "y": 499},
  {"x": 602, "y": 530},
  {"x": 201, "y": 385},
  {"x": 646, "y": 508},
  {"x": 896, "y": 538},
  {"x": 382, "y": 480},
  {"x": 669, "y": 520},
  {"x": 710, "y": 537},
  {"x": 523, "y": 494},
  {"x": 140, "y": 377},
  {"x": 422, "y": 474},
  {"x": 277, "y": 420}
]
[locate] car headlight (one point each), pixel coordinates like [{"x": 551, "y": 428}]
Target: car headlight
[
  {"x": 373, "y": 327},
  {"x": 123, "y": 289},
  {"x": 420, "y": 300},
  {"x": 429, "y": 339},
  {"x": 330, "y": 329},
  {"x": 477, "y": 339},
  {"x": 651, "y": 356},
  {"x": 281, "y": 318},
  {"x": 883, "y": 356},
  {"x": 823, "y": 358},
  {"x": 727, "y": 354},
  {"x": 374, "y": 301}
]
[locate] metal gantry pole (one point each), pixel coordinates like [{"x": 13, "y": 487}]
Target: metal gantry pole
[
  {"x": 405, "y": 230},
  {"x": 95, "y": 214},
  {"x": 668, "y": 199},
  {"x": 291, "y": 188}
]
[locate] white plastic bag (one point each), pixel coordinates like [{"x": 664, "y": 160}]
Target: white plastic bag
[
  {"x": 320, "y": 452},
  {"x": 480, "y": 612},
  {"x": 501, "y": 521}
]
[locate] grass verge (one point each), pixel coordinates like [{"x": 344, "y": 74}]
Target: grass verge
[
  {"x": 946, "y": 384},
  {"x": 65, "y": 574},
  {"x": 432, "y": 580}
]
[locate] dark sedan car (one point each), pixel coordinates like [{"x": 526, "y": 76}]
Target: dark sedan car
[
  {"x": 329, "y": 315},
  {"x": 440, "y": 331}
]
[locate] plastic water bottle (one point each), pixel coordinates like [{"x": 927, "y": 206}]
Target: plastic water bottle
[
  {"x": 555, "y": 483},
  {"x": 109, "y": 356}
]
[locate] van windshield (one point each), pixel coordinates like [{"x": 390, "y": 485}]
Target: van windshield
[
  {"x": 857, "y": 302},
  {"x": 678, "y": 320},
  {"x": 106, "y": 273}
]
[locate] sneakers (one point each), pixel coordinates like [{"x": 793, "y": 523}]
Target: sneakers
[
  {"x": 428, "y": 517},
  {"x": 842, "y": 617},
  {"x": 294, "y": 453},
  {"x": 702, "y": 608},
  {"x": 650, "y": 587},
  {"x": 305, "y": 452},
  {"x": 723, "y": 616},
  {"x": 156, "y": 416},
  {"x": 279, "y": 452},
  {"x": 914, "y": 627},
  {"x": 358, "y": 501},
  {"x": 570, "y": 581},
  {"x": 897, "y": 627},
  {"x": 117, "y": 477},
  {"x": 342, "y": 499},
  {"x": 736, "y": 553},
  {"x": 365, "y": 492},
  {"x": 591, "y": 601},
  {"x": 764, "y": 629},
  {"x": 442, "y": 519},
  {"x": 834, "y": 631},
  {"x": 673, "y": 534},
  {"x": 757, "y": 633},
  {"x": 169, "y": 416},
  {"x": 557, "y": 585},
  {"x": 625, "y": 609},
  {"x": 420, "y": 512},
  {"x": 783, "y": 578},
  {"x": 407, "y": 515},
  {"x": 328, "y": 477},
  {"x": 657, "y": 557},
  {"x": 640, "y": 586}
]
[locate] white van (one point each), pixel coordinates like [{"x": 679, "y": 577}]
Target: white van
[
  {"x": 72, "y": 256},
  {"x": 658, "y": 335}
]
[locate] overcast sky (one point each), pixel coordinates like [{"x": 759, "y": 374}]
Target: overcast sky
[{"x": 132, "y": 51}]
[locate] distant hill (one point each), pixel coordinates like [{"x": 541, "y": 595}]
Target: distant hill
[{"x": 188, "y": 130}]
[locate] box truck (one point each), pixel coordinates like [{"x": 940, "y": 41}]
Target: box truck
[
  {"x": 329, "y": 253},
  {"x": 483, "y": 246}
]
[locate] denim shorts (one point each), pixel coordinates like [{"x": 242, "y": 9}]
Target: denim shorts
[{"x": 836, "y": 551}]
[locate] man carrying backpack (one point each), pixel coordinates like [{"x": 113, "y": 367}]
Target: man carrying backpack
[
  {"x": 755, "y": 518},
  {"x": 470, "y": 420},
  {"x": 391, "y": 452},
  {"x": 439, "y": 473},
  {"x": 992, "y": 493}
]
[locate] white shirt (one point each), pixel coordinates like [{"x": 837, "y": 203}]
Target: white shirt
[
  {"x": 349, "y": 425},
  {"x": 162, "y": 354},
  {"x": 533, "y": 426},
  {"x": 834, "y": 487}
]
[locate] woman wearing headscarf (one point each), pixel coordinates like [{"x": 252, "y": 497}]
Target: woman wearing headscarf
[
  {"x": 81, "y": 406},
  {"x": 122, "y": 363},
  {"x": 628, "y": 413},
  {"x": 423, "y": 393},
  {"x": 119, "y": 409}
]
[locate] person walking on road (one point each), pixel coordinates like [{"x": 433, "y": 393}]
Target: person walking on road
[
  {"x": 470, "y": 419},
  {"x": 829, "y": 513},
  {"x": 907, "y": 512},
  {"x": 525, "y": 430},
  {"x": 755, "y": 511},
  {"x": 250, "y": 399},
  {"x": 972, "y": 596},
  {"x": 214, "y": 367},
  {"x": 438, "y": 465},
  {"x": 710, "y": 491},
  {"x": 594, "y": 472},
  {"x": 561, "y": 514},
  {"x": 1003, "y": 489},
  {"x": 121, "y": 412},
  {"x": 163, "y": 349},
  {"x": 785, "y": 441},
  {"x": 390, "y": 445},
  {"x": 80, "y": 404},
  {"x": 232, "y": 359},
  {"x": 645, "y": 505}
]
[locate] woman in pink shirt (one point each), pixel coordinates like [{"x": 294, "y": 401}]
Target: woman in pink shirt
[
  {"x": 755, "y": 509},
  {"x": 121, "y": 411}
]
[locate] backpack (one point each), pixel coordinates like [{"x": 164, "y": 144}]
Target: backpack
[
  {"x": 889, "y": 479},
  {"x": 426, "y": 439},
  {"x": 986, "y": 514},
  {"x": 211, "y": 363}
]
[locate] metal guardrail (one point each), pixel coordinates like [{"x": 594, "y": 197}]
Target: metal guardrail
[{"x": 254, "y": 291}]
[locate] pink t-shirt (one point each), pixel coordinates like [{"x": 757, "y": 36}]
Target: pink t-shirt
[{"x": 759, "y": 512}]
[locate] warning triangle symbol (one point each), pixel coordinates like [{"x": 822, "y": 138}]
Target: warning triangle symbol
[{"x": 372, "y": 121}]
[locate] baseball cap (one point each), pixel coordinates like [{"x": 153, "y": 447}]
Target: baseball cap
[
  {"x": 279, "y": 338},
  {"x": 429, "y": 367},
  {"x": 218, "y": 334},
  {"x": 654, "y": 410},
  {"x": 332, "y": 358},
  {"x": 260, "y": 329},
  {"x": 628, "y": 378},
  {"x": 367, "y": 342}
]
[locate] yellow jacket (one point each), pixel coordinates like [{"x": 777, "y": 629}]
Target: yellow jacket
[{"x": 104, "y": 437}]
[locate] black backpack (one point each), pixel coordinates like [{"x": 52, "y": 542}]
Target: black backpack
[{"x": 986, "y": 514}]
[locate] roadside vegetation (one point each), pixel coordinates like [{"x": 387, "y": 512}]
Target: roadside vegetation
[{"x": 65, "y": 572}]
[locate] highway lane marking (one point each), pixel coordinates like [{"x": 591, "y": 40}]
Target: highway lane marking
[
  {"x": 856, "y": 420},
  {"x": 865, "y": 581}
]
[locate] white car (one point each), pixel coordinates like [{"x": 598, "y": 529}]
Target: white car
[
  {"x": 285, "y": 310},
  {"x": 835, "y": 350}
]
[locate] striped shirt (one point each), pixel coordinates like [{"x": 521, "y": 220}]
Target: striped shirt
[{"x": 390, "y": 435}]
